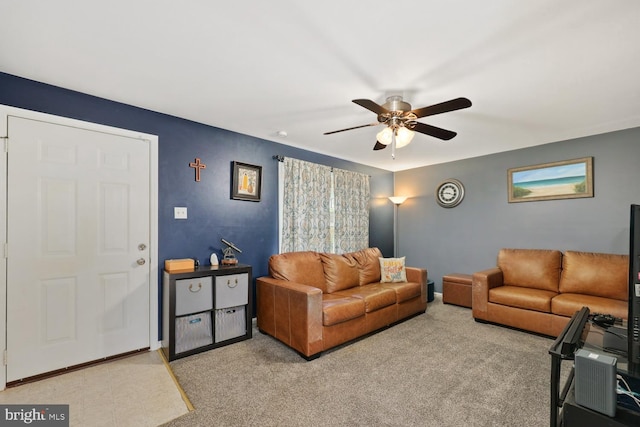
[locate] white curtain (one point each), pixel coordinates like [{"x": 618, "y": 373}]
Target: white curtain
[
  {"x": 322, "y": 209},
  {"x": 351, "y": 198},
  {"x": 305, "y": 207}
]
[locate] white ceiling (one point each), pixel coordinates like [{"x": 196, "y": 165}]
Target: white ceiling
[{"x": 537, "y": 71}]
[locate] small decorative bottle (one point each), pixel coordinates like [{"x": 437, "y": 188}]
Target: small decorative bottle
[{"x": 213, "y": 259}]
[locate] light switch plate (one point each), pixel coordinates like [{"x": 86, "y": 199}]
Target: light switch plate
[{"x": 180, "y": 213}]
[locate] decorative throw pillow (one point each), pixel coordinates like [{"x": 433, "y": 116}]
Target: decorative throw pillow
[{"x": 392, "y": 270}]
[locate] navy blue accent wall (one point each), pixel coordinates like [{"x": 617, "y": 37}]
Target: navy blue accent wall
[{"x": 252, "y": 226}]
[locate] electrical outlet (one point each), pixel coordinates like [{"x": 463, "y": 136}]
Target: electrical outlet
[{"x": 179, "y": 213}]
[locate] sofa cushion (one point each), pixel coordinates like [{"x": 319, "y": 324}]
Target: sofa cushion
[
  {"x": 339, "y": 308},
  {"x": 392, "y": 270},
  {"x": 340, "y": 272},
  {"x": 300, "y": 267},
  {"x": 531, "y": 268},
  {"x": 405, "y": 290},
  {"x": 590, "y": 273},
  {"x": 368, "y": 264},
  {"x": 567, "y": 304},
  {"x": 375, "y": 296},
  {"x": 527, "y": 298}
]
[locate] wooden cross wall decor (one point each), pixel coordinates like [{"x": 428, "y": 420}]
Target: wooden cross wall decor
[{"x": 197, "y": 166}]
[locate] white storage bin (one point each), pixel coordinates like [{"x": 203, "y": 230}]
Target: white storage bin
[
  {"x": 231, "y": 322},
  {"x": 232, "y": 290},
  {"x": 194, "y": 295},
  {"x": 193, "y": 331}
]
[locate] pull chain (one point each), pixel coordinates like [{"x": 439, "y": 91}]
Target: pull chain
[{"x": 393, "y": 144}]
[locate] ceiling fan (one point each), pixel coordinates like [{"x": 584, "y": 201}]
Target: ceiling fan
[{"x": 401, "y": 121}]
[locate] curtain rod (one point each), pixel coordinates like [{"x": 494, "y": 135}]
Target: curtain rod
[{"x": 280, "y": 158}]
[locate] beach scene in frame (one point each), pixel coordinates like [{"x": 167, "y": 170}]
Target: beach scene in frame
[{"x": 569, "y": 179}]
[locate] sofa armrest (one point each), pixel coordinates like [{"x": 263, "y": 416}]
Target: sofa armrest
[
  {"x": 418, "y": 275},
  {"x": 290, "y": 312},
  {"x": 481, "y": 282}
]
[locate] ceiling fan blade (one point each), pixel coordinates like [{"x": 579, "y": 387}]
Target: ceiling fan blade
[
  {"x": 443, "y": 107},
  {"x": 355, "y": 127},
  {"x": 371, "y": 106},
  {"x": 379, "y": 146},
  {"x": 434, "y": 131}
]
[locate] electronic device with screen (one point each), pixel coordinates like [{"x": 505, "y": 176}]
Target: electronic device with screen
[{"x": 633, "y": 332}]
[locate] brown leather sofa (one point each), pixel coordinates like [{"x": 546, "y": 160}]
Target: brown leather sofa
[
  {"x": 539, "y": 290},
  {"x": 315, "y": 301}
]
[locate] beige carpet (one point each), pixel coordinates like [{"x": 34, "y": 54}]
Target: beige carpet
[{"x": 437, "y": 369}]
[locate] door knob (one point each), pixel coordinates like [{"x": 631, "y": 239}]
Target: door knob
[
  {"x": 141, "y": 261},
  {"x": 142, "y": 247}
]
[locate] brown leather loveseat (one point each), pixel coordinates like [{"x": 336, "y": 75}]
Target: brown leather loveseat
[
  {"x": 539, "y": 290},
  {"x": 315, "y": 301}
]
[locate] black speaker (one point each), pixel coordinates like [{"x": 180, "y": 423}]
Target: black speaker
[{"x": 595, "y": 377}]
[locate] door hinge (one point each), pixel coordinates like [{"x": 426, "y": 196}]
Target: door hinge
[
  {"x": 5, "y": 249},
  {"x": 5, "y": 143},
  {"x": 4, "y": 358}
]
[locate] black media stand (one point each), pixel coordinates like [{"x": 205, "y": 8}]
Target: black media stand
[
  {"x": 564, "y": 348},
  {"x": 564, "y": 410}
]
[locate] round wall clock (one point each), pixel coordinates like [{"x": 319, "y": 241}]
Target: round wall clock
[{"x": 449, "y": 193}]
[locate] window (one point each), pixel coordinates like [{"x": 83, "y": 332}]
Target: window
[{"x": 322, "y": 209}]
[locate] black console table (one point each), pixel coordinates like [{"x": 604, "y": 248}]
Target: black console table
[
  {"x": 564, "y": 410},
  {"x": 206, "y": 308},
  {"x": 574, "y": 415}
]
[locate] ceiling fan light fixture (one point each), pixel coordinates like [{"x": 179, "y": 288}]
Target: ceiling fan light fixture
[
  {"x": 401, "y": 121},
  {"x": 403, "y": 136},
  {"x": 385, "y": 136}
]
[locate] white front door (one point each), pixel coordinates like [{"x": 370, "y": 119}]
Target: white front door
[{"x": 78, "y": 231}]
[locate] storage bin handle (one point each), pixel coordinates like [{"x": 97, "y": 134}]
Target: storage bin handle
[
  {"x": 232, "y": 285},
  {"x": 197, "y": 290}
]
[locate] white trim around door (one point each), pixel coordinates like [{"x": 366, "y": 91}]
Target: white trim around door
[{"x": 5, "y": 112}]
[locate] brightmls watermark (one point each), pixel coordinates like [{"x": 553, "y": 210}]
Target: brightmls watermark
[{"x": 34, "y": 415}]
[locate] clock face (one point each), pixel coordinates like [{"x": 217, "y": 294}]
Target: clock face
[{"x": 450, "y": 193}]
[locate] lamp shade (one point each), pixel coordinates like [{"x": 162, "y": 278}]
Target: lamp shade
[
  {"x": 403, "y": 136},
  {"x": 398, "y": 200},
  {"x": 385, "y": 136}
]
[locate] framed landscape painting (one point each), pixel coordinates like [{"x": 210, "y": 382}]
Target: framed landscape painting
[{"x": 569, "y": 179}]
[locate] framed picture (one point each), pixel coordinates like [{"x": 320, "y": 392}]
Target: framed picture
[
  {"x": 246, "y": 182},
  {"x": 569, "y": 179}
]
